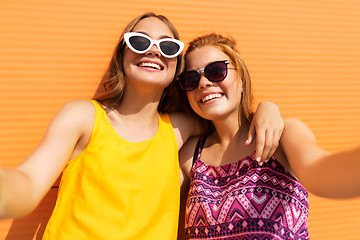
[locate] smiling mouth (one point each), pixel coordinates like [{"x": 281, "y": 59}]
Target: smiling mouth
[
  {"x": 150, "y": 65},
  {"x": 210, "y": 97}
]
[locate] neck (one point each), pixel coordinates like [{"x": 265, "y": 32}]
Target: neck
[
  {"x": 227, "y": 145},
  {"x": 136, "y": 100},
  {"x": 230, "y": 130},
  {"x": 139, "y": 107}
]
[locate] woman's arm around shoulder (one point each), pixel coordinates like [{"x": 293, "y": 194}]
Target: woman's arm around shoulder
[
  {"x": 33, "y": 178},
  {"x": 184, "y": 127},
  {"x": 322, "y": 173}
]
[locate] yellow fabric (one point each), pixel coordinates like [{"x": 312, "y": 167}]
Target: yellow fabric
[{"x": 117, "y": 189}]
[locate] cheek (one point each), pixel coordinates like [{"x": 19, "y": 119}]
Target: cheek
[
  {"x": 192, "y": 101},
  {"x": 172, "y": 64},
  {"x": 233, "y": 84},
  {"x": 190, "y": 96},
  {"x": 127, "y": 59}
]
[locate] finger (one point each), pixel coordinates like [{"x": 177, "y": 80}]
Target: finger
[
  {"x": 260, "y": 140},
  {"x": 268, "y": 146},
  {"x": 275, "y": 145}
]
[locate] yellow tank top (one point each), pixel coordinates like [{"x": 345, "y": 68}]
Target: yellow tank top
[{"x": 116, "y": 189}]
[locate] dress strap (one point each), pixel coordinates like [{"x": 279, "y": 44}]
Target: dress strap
[{"x": 199, "y": 146}]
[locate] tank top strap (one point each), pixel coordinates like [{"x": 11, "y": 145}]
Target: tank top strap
[
  {"x": 199, "y": 146},
  {"x": 101, "y": 121},
  {"x": 99, "y": 110},
  {"x": 165, "y": 122}
]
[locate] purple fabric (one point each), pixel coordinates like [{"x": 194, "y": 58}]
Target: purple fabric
[{"x": 244, "y": 201}]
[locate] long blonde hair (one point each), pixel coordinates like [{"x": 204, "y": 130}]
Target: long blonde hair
[{"x": 113, "y": 84}]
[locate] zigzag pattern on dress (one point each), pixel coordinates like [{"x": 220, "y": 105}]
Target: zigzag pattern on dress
[{"x": 244, "y": 201}]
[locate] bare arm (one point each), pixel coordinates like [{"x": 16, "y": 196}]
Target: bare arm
[
  {"x": 184, "y": 127},
  {"x": 33, "y": 178},
  {"x": 328, "y": 175},
  {"x": 185, "y": 159},
  {"x": 185, "y": 183},
  {"x": 266, "y": 126}
]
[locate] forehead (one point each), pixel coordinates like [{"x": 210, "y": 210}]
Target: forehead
[
  {"x": 200, "y": 57},
  {"x": 153, "y": 27}
]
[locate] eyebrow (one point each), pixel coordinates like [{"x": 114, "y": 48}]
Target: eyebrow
[{"x": 161, "y": 37}]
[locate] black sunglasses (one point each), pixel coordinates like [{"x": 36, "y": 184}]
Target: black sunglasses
[
  {"x": 141, "y": 43},
  {"x": 215, "y": 72}
]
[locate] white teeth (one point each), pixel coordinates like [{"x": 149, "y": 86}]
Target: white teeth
[
  {"x": 147, "y": 64},
  {"x": 211, "y": 96}
]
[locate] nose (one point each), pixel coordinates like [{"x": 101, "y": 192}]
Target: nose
[
  {"x": 154, "y": 50},
  {"x": 204, "y": 82}
]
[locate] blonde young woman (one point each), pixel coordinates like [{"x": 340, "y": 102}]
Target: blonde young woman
[
  {"x": 119, "y": 152},
  {"x": 230, "y": 196}
]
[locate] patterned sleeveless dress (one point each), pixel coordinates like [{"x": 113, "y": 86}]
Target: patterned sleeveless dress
[{"x": 242, "y": 200}]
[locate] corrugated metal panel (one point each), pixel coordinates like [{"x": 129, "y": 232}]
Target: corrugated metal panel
[{"x": 302, "y": 55}]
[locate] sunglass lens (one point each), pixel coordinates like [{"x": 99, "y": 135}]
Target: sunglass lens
[
  {"x": 169, "y": 47},
  {"x": 216, "y": 71},
  {"x": 139, "y": 43},
  {"x": 189, "y": 80}
]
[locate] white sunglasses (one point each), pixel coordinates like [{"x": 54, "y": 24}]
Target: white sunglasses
[{"x": 141, "y": 43}]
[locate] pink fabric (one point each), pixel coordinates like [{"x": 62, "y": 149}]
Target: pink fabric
[{"x": 244, "y": 201}]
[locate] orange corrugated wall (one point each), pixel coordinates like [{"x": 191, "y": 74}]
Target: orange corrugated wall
[{"x": 302, "y": 55}]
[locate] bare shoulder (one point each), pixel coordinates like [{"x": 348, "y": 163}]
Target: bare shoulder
[
  {"x": 296, "y": 128},
  {"x": 299, "y": 145},
  {"x": 297, "y": 137},
  {"x": 77, "y": 116},
  {"x": 72, "y": 123},
  {"x": 292, "y": 122},
  {"x": 62, "y": 139},
  {"x": 79, "y": 107},
  {"x": 77, "y": 111}
]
